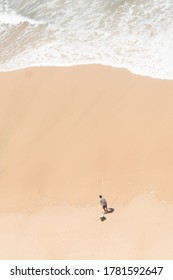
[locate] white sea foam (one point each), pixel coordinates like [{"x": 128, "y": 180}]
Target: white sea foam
[
  {"x": 14, "y": 19},
  {"x": 137, "y": 35}
]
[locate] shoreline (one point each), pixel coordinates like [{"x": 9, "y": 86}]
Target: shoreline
[{"x": 117, "y": 68}]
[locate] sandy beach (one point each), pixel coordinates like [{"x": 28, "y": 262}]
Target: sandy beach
[{"x": 68, "y": 135}]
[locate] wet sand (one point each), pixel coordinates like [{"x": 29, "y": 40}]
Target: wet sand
[{"x": 70, "y": 134}]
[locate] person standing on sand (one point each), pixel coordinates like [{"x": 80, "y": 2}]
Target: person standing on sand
[{"x": 103, "y": 203}]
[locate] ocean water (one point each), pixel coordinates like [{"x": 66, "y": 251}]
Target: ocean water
[{"x": 133, "y": 34}]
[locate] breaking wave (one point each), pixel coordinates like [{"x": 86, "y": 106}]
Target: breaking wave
[{"x": 137, "y": 35}]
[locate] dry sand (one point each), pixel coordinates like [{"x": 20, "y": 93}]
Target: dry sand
[{"x": 70, "y": 134}]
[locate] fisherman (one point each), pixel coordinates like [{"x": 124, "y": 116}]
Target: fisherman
[{"x": 103, "y": 203}]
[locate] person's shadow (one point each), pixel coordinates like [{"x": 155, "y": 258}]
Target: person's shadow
[{"x": 110, "y": 210}]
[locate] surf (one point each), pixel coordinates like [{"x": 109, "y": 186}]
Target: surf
[{"x": 134, "y": 35}]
